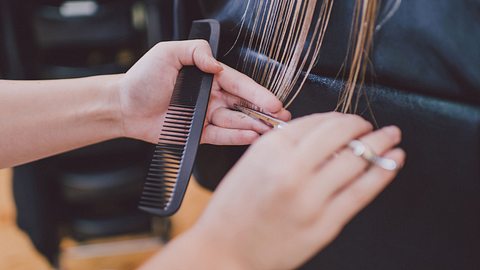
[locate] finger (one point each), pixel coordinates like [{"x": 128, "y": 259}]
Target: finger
[
  {"x": 232, "y": 100},
  {"x": 324, "y": 140},
  {"x": 223, "y": 136},
  {"x": 197, "y": 53},
  {"x": 345, "y": 167},
  {"x": 354, "y": 197},
  {"x": 242, "y": 86},
  {"x": 226, "y": 118},
  {"x": 283, "y": 115},
  {"x": 295, "y": 130}
]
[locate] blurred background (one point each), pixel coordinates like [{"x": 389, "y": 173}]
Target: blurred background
[{"x": 79, "y": 210}]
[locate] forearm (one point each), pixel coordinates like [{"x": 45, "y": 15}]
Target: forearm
[
  {"x": 193, "y": 251},
  {"x": 43, "y": 118}
]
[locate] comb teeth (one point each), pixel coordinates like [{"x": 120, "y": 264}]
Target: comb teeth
[{"x": 167, "y": 157}]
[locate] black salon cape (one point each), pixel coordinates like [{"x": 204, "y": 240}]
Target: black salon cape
[{"x": 425, "y": 79}]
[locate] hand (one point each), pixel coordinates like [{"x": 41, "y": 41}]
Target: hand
[
  {"x": 290, "y": 195},
  {"x": 147, "y": 87}
]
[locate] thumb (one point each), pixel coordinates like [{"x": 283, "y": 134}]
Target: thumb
[{"x": 199, "y": 53}]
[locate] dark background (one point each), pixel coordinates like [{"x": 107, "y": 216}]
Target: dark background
[{"x": 425, "y": 79}]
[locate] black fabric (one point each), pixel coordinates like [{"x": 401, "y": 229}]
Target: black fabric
[
  {"x": 427, "y": 81},
  {"x": 36, "y": 196},
  {"x": 428, "y": 46}
]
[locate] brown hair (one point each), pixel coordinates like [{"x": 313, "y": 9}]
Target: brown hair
[
  {"x": 363, "y": 29},
  {"x": 287, "y": 36}
]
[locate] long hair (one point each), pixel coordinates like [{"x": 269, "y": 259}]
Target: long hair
[{"x": 284, "y": 38}]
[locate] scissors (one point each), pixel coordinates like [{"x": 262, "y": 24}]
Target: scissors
[{"x": 265, "y": 118}]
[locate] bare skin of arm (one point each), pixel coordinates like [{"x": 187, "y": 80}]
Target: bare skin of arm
[{"x": 43, "y": 118}]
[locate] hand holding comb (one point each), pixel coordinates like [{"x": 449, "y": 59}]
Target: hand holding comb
[{"x": 175, "y": 154}]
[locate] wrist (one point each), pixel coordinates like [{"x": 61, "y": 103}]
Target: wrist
[
  {"x": 112, "y": 100},
  {"x": 215, "y": 253},
  {"x": 193, "y": 250}
]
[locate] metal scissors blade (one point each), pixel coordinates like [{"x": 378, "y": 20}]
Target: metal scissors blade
[{"x": 274, "y": 122}]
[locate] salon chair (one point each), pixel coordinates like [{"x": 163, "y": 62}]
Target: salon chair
[
  {"x": 427, "y": 81},
  {"x": 92, "y": 192}
]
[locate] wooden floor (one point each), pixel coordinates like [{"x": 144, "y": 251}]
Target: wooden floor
[
  {"x": 123, "y": 253},
  {"x": 16, "y": 251}
]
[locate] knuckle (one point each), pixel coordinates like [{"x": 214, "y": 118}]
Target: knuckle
[
  {"x": 358, "y": 196},
  {"x": 199, "y": 47},
  {"x": 215, "y": 115},
  {"x": 215, "y": 96},
  {"x": 201, "y": 43},
  {"x": 359, "y": 122},
  {"x": 189, "y": 51},
  {"x": 165, "y": 44},
  {"x": 389, "y": 137},
  {"x": 317, "y": 117},
  {"x": 235, "y": 86},
  {"x": 385, "y": 135},
  {"x": 335, "y": 124},
  {"x": 365, "y": 125},
  {"x": 334, "y": 114},
  {"x": 207, "y": 137},
  {"x": 247, "y": 137},
  {"x": 347, "y": 157},
  {"x": 204, "y": 61},
  {"x": 355, "y": 118},
  {"x": 161, "y": 45}
]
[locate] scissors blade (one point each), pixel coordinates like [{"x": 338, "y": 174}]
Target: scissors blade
[{"x": 274, "y": 122}]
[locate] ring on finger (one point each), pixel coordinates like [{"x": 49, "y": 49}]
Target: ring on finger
[{"x": 360, "y": 149}]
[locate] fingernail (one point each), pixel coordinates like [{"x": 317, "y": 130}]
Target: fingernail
[
  {"x": 277, "y": 113},
  {"x": 393, "y": 131}
]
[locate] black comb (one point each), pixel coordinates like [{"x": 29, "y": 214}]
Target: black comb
[{"x": 174, "y": 155}]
